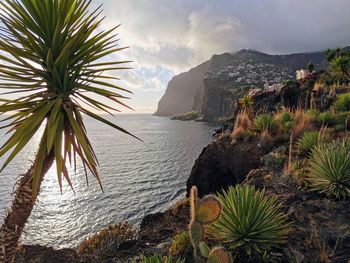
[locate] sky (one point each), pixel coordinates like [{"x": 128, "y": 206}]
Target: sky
[{"x": 167, "y": 37}]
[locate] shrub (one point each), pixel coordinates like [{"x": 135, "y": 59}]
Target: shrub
[
  {"x": 157, "y": 258},
  {"x": 285, "y": 119},
  {"x": 308, "y": 141},
  {"x": 265, "y": 122},
  {"x": 312, "y": 114},
  {"x": 181, "y": 242},
  {"x": 342, "y": 104},
  {"x": 249, "y": 220},
  {"x": 108, "y": 239},
  {"x": 329, "y": 171},
  {"x": 325, "y": 118},
  {"x": 246, "y": 103}
]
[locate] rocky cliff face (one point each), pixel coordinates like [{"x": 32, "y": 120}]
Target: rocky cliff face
[
  {"x": 213, "y": 87},
  {"x": 183, "y": 92}
]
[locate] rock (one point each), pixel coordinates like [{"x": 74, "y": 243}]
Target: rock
[{"x": 222, "y": 164}]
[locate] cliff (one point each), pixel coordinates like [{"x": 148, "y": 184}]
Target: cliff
[
  {"x": 213, "y": 87},
  {"x": 183, "y": 92}
]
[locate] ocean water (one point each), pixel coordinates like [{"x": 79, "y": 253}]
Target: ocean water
[{"x": 138, "y": 178}]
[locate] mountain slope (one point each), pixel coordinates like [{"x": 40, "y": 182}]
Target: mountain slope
[{"x": 212, "y": 87}]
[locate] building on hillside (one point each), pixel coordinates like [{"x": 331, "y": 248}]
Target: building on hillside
[{"x": 302, "y": 74}]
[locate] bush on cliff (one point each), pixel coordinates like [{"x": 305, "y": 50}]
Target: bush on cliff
[{"x": 249, "y": 220}]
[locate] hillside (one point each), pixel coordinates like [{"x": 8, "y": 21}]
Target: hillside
[{"x": 212, "y": 87}]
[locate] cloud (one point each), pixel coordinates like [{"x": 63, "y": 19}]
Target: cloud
[{"x": 167, "y": 37}]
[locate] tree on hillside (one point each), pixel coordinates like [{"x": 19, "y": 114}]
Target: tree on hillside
[{"x": 53, "y": 50}]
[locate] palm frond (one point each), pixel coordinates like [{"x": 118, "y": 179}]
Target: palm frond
[{"x": 52, "y": 53}]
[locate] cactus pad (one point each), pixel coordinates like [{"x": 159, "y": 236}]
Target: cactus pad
[
  {"x": 196, "y": 231},
  {"x": 219, "y": 255},
  {"x": 204, "y": 249},
  {"x": 208, "y": 210}
]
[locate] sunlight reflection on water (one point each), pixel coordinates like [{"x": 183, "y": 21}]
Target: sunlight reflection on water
[{"x": 138, "y": 178}]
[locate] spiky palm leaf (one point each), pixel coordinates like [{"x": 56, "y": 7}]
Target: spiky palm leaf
[
  {"x": 249, "y": 220},
  {"x": 50, "y": 52},
  {"x": 340, "y": 68},
  {"x": 329, "y": 170}
]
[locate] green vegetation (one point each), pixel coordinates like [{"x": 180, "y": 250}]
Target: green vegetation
[
  {"x": 246, "y": 103},
  {"x": 308, "y": 141},
  {"x": 325, "y": 119},
  {"x": 249, "y": 220},
  {"x": 181, "y": 243},
  {"x": 285, "y": 119},
  {"x": 330, "y": 169},
  {"x": 204, "y": 212},
  {"x": 342, "y": 104},
  {"x": 108, "y": 239},
  {"x": 51, "y": 55},
  {"x": 157, "y": 258},
  {"x": 265, "y": 122}
]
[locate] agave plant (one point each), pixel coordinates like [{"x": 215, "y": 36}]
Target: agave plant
[
  {"x": 308, "y": 141},
  {"x": 342, "y": 104},
  {"x": 246, "y": 104},
  {"x": 285, "y": 119},
  {"x": 249, "y": 220},
  {"x": 51, "y": 56},
  {"x": 329, "y": 171},
  {"x": 325, "y": 118},
  {"x": 265, "y": 122}
]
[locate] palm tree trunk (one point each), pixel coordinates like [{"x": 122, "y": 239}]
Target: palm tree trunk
[{"x": 21, "y": 208}]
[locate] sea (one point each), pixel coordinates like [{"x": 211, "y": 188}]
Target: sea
[{"x": 138, "y": 178}]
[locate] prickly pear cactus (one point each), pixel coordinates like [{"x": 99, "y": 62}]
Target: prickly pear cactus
[
  {"x": 208, "y": 210},
  {"x": 219, "y": 255},
  {"x": 205, "y": 211}
]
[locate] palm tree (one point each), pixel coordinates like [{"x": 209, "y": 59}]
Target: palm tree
[
  {"x": 340, "y": 69},
  {"x": 51, "y": 56}
]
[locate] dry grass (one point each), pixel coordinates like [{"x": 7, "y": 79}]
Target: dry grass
[
  {"x": 303, "y": 122},
  {"x": 324, "y": 252},
  {"x": 266, "y": 140},
  {"x": 242, "y": 126}
]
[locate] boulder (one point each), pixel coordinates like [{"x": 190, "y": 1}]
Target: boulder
[{"x": 222, "y": 164}]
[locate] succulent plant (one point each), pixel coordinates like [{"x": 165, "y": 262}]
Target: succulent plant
[
  {"x": 203, "y": 212},
  {"x": 219, "y": 255},
  {"x": 325, "y": 119},
  {"x": 157, "y": 258},
  {"x": 329, "y": 171},
  {"x": 265, "y": 122},
  {"x": 249, "y": 220},
  {"x": 285, "y": 119},
  {"x": 246, "y": 103},
  {"x": 308, "y": 141},
  {"x": 181, "y": 242},
  {"x": 342, "y": 104}
]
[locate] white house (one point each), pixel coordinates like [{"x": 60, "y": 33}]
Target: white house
[{"x": 302, "y": 74}]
